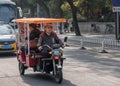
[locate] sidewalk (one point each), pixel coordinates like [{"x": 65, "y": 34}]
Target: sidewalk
[
  {"x": 105, "y": 65},
  {"x": 74, "y": 41},
  {"x": 113, "y": 54},
  {"x": 90, "y": 38},
  {"x": 72, "y": 35}
]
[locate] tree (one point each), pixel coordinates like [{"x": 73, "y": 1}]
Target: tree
[
  {"x": 45, "y": 7},
  {"x": 29, "y": 4},
  {"x": 55, "y": 9},
  {"x": 74, "y": 15}
]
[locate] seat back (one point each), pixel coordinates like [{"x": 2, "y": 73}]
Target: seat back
[{"x": 33, "y": 44}]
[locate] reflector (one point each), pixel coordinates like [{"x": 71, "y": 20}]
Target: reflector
[{"x": 56, "y": 57}]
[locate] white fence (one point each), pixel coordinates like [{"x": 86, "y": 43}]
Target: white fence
[{"x": 99, "y": 43}]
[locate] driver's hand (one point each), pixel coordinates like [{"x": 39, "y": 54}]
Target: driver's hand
[{"x": 40, "y": 48}]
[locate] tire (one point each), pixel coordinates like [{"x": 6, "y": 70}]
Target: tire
[
  {"x": 21, "y": 68},
  {"x": 59, "y": 76}
]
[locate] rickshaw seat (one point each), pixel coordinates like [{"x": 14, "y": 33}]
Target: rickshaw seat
[
  {"x": 36, "y": 54},
  {"x": 33, "y": 47}
]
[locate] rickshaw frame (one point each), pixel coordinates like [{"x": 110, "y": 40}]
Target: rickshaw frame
[{"x": 30, "y": 62}]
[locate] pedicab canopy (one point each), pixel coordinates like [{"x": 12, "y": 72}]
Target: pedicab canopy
[
  {"x": 40, "y": 20},
  {"x": 37, "y": 21}
]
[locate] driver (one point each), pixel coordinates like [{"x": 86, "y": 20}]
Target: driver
[{"x": 48, "y": 37}]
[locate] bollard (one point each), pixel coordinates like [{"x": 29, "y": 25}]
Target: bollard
[
  {"x": 103, "y": 50},
  {"x": 82, "y": 47},
  {"x": 65, "y": 41}
]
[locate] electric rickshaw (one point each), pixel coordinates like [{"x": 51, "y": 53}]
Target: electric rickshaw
[{"x": 36, "y": 60}]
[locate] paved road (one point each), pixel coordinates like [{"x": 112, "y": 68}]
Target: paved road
[{"x": 81, "y": 68}]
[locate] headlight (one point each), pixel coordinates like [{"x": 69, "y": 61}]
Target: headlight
[{"x": 50, "y": 52}]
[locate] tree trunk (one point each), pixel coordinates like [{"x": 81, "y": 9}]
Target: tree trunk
[
  {"x": 59, "y": 8},
  {"x": 74, "y": 14}
]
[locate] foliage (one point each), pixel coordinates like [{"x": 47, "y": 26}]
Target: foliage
[
  {"x": 67, "y": 10},
  {"x": 87, "y": 9}
]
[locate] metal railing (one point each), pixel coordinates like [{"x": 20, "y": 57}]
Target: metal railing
[{"x": 100, "y": 43}]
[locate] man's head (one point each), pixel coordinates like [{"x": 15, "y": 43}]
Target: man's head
[{"x": 48, "y": 28}]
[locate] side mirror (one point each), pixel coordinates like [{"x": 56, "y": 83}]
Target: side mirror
[
  {"x": 65, "y": 41},
  {"x": 13, "y": 24}
]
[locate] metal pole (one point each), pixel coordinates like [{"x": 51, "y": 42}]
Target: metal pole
[
  {"x": 117, "y": 25},
  {"x": 18, "y": 39},
  {"x": 28, "y": 39},
  {"x": 38, "y": 8},
  {"x": 103, "y": 47},
  {"x": 82, "y": 45}
]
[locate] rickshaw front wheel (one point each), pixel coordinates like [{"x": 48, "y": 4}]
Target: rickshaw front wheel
[
  {"x": 21, "y": 68},
  {"x": 59, "y": 76}
]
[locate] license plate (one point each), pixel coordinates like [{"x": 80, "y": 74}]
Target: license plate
[{"x": 6, "y": 47}]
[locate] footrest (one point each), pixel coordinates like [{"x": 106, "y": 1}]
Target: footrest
[
  {"x": 43, "y": 59},
  {"x": 38, "y": 55}
]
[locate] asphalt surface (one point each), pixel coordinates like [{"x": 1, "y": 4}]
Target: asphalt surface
[{"x": 81, "y": 68}]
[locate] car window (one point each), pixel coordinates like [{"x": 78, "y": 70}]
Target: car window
[{"x": 6, "y": 30}]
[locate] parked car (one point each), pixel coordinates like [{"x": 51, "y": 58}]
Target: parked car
[{"x": 7, "y": 38}]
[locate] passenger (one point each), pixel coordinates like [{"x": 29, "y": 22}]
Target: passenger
[
  {"x": 34, "y": 35},
  {"x": 34, "y": 32},
  {"x": 38, "y": 26},
  {"x": 48, "y": 37}
]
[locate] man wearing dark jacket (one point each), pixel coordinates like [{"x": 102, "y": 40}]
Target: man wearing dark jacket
[{"x": 48, "y": 37}]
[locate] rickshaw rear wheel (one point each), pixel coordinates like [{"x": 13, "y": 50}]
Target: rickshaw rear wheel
[{"x": 21, "y": 68}]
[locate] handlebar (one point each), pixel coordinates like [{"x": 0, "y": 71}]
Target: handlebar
[{"x": 54, "y": 46}]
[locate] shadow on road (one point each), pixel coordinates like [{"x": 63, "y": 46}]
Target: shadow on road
[
  {"x": 43, "y": 80},
  {"x": 101, "y": 63},
  {"x": 7, "y": 55}
]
